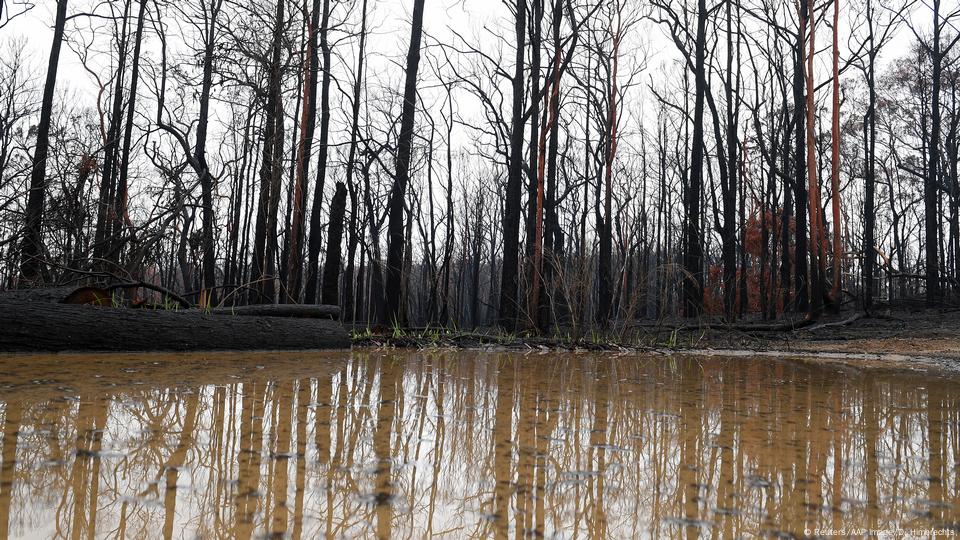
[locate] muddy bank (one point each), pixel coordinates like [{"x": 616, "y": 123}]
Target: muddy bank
[
  {"x": 897, "y": 336},
  {"x": 919, "y": 340}
]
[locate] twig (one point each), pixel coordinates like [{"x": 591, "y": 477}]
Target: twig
[
  {"x": 152, "y": 287},
  {"x": 125, "y": 284},
  {"x": 849, "y": 320}
]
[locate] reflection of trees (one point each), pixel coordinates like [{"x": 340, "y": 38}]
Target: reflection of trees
[
  {"x": 8, "y": 455},
  {"x": 411, "y": 445},
  {"x": 303, "y": 400},
  {"x": 278, "y": 468},
  {"x": 935, "y": 455},
  {"x": 503, "y": 448},
  {"x": 85, "y": 471},
  {"x": 247, "y": 495},
  {"x": 384, "y": 489}
]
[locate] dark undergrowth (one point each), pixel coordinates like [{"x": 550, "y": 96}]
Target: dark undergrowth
[{"x": 847, "y": 327}]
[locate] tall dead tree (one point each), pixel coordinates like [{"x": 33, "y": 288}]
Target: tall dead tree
[
  {"x": 693, "y": 235},
  {"x": 111, "y": 144},
  {"x": 304, "y": 146},
  {"x": 197, "y": 157},
  {"x": 937, "y": 50},
  {"x": 509, "y": 282},
  {"x": 349, "y": 282},
  {"x": 316, "y": 230},
  {"x": 605, "y": 263},
  {"x": 813, "y": 184},
  {"x": 870, "y": 157},
  {"x": 553, "y": 242},
  {"x": 835, "y": 158},
  {"x": 202, "y": 168},
  {"x": 729, "y": 182},
  {"x": 395, "y": 227},
  {"x": 271, "y": 167},
  {"x": 538, "y": 307},
  {"x": 32, "y": 246},
  {"x": 801, "y": 275},
  {"x": 931, "y": 191},
  {"x": 122, "y": 218}
]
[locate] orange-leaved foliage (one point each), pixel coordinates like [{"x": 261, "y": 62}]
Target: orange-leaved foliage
[{"x": 769, "y": 274}]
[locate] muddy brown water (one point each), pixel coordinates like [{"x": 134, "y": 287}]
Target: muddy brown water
[{"x": 455, "y": 445}]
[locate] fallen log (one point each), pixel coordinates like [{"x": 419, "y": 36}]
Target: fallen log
[
  {"x": 848, "y": 321},
  {"x": 63, "y": 294},
  {"x": 282, "y": 310},
  {"x": 42, "y": 294},
  {"x": 34, "y": 327},
  {"x": 787, "y": 326}
]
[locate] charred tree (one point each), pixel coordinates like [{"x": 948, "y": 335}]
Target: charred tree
[
  {"x": 264, "y": 242},
  {"x": 122, "y": 218},
  {"x": 395, "y": 227},
  {"x": 349, "y": 284},
  {"x": 331, "y": 266},
  {"x": 692, "y": 237},
  {"x": 32, "y": 247},
  {"x": 316, "y": 214},
  {"x": 304, "y": 147}
]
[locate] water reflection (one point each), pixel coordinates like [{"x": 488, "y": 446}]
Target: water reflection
[{"x": 411, "y": 445}]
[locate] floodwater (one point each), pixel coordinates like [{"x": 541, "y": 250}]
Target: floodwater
[{"x": 455, "y": 445}]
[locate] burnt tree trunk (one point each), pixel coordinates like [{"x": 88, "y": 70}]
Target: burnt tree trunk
[
  {"x": 331, "y": 266},
  {"x": 870, "y": 180},
  {"x": 262, "y": 277},
  {"x": 316, "y": 233},
  {"x": 801, "y": 299},
  {"x": 349, "y": 282},
  {"x": 304, "y": 146},
  {"x": 32, "y": 251},
  {"x": 122, "y": 219},
  {"x": 693, "y": 238},
  {"x": 509, "y": 283},
  {"x": 395, "y": 228},
  {"x": 605, "y": 263},
  {"x": 931, "y": 192},
  {"x": 107, "y": 186}
]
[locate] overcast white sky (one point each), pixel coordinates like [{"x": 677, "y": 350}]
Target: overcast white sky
[{"x": 390, "y": 21}]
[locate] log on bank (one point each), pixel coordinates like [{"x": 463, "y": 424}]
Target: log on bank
[{"x": 29, "y": 326}]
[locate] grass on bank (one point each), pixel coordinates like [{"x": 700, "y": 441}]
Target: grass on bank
[{"x": 434, "y": 336}]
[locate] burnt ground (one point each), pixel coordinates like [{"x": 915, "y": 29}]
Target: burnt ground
[
  {"x": 912, "y": 340},
  {"x": 926, "y": 333},
  {"x": 926, "y": 340}
]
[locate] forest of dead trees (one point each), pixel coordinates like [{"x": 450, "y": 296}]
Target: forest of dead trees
[{"x": 560, "y": 163}]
